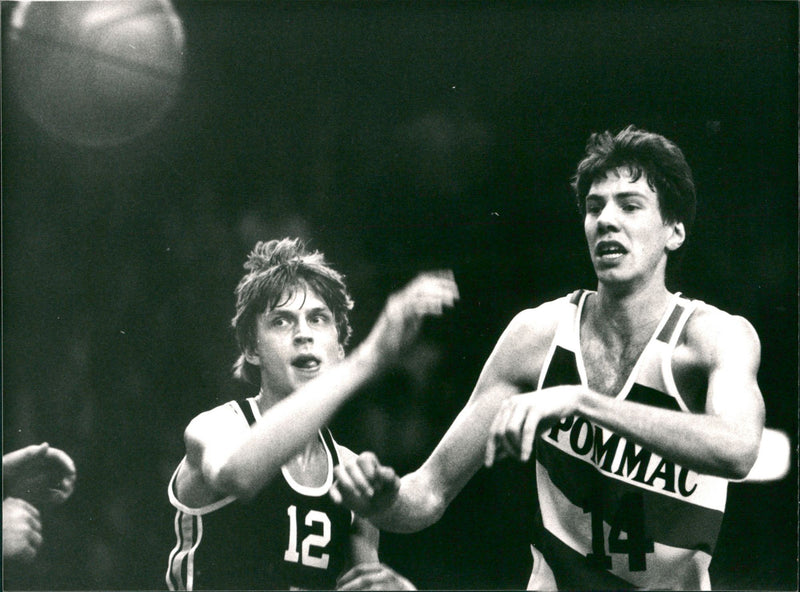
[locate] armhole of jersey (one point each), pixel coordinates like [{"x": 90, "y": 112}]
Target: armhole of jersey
[
  {"x": 331, "y": 453},
  {"x": 567, "y": 331},
  {"x": 179, "y": 505},
  {"x": 666, "y": 362},
  {"x": 245, "y": 407},
  {"x": 327, "y": 437}
]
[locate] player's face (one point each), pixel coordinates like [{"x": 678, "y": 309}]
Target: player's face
[
  {"x": 627, "y": 237},
  {"x": 295, "y": 342}
]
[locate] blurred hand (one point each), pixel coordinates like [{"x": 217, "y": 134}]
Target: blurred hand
[
  {"x": 522, "y": 417},
  {"x": 399, "y": 322},
  {"x": 22, "y": 530},
  {"x": 365, "y": 486},
  {"x": 39, "y": 474},
  {"x": 373, "y": 576}
]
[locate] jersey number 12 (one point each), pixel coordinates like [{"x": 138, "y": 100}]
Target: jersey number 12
[{"x": 311, "y": 542}]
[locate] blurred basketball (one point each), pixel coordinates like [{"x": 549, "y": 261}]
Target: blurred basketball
[{"x": 96, "y": 72}]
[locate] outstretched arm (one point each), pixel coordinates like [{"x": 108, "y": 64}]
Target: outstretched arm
[
  {"x": 723, "y": 440},
  {"x": 420, "y": 498},
  {"x": 241, "y": 467}
]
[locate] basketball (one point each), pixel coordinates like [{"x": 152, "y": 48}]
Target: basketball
[{"x": 96, "y": 73}]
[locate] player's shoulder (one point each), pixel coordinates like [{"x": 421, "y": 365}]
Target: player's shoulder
[
  {"x": 543, "y": 318},
  {"x": 219, "y": 418},
  {"x": 713, "y": 329}
]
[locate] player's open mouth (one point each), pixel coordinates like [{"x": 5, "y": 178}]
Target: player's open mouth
[
  {"x": 609, "y": 250},
  {"x": 306, "y": 362}
]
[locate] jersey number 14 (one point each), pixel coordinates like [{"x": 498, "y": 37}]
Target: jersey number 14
[{"x": 628, "y": 521}]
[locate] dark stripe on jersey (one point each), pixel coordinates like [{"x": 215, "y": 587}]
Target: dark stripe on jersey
[
  {"x": 327, "y": 437},
  {"x": 666, "y": 332},
  {"x": 571, "y": 569},
  {"x": 575, "y": 297},
  {"x": 244, "y": 405},
  {"x": 649, "y": 396},
  {"x": 563, "y": 369},
  {"x": 668, "y": 520}
]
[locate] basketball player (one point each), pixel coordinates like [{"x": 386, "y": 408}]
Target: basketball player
[
  {"x": 251, "y": 494},
  {"x": 637, "y": 405},
  {"x": 34, "y": 477}
]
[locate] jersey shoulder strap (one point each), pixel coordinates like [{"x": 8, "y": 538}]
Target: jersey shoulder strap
[{"x": 247, "y": 410}]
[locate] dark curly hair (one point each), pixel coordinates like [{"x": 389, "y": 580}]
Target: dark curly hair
[
  {"x": 275, "y": 270},
  {"x": 641, "y": 152}
]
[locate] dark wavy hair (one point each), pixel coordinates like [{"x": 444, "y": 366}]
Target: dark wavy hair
[
  {"x": 641, "y": 152},
  {"x": 275, "y": 270}
]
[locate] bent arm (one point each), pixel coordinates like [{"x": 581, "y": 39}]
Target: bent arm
[
  {"x": 722, "y": 441},
  {"x": 512, "y": 367},
  {"x": 241, "y": 467}
]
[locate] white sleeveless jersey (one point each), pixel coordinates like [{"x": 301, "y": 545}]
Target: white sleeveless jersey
[{"x": 614, "y": 514}]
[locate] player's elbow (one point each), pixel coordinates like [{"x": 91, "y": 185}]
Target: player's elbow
[
  {"x": 218, "y": 467},
  {"x": 738, "y": 460},
  {"x": 741, "y": 466},
  {"x": 431, "y": 505},
  {"x": 229, "y": 480}
]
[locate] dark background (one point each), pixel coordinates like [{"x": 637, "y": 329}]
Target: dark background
[{"x": 394, "y": 137}]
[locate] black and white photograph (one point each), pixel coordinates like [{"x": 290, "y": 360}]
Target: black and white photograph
[{"x": 394, "y": 295}]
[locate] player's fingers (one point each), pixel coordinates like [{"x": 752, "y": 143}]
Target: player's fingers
[
  {"x": 60, "y": 494},
  {"x": 493, "y": 443},
  {"x": 368, "y": 463},
  {"x": 335, "y": 494},
  {"x": 35, "y": 539},
  {"x": 375, "y": 576},
  {"x": 354, "y": 573},
  {"x": 27, "y": 553},
  {"x": 529, "y": 428},
  {"x": 343, "y": 487},
  {"x": 62, "y": 461},
  {"x": 33, "y": 516},
  {"x": 387, "y": 477},
  {"x": 359, "y": 481},
  {"x": 510, "y": 433},
  {"x": 440, "y": 285}
]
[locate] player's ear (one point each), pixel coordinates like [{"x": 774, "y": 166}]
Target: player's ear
[
  {"x": 251, "y": 356},
  {"x": 341, "y": 352},
  {"x": 677, "y": 236}
]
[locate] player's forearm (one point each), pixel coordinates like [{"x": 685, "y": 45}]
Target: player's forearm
[
  {"x": 426, "y": 493},
  {"x": 417, "y": 506},
  {"x": 703, "y": 443},
  {"x": 289, "y": 425}
]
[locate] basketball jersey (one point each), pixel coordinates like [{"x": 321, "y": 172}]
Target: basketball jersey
[
  {"x": 614, "y": 514},
  {"x": 288, "y": 537}
]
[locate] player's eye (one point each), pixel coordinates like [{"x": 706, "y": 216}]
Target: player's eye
[
  {"x": 630, "y": 206},
  {"x": 593, "y": 207},
  {"x": 279, "y": 321},
  {"x": 320, "y": 318}
]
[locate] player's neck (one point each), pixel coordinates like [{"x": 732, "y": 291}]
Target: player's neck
[
  {"x": 628, "y": 315},
  {"x": 266, "y": 398}
]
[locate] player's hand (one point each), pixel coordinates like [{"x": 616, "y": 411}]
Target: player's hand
[
  {"x": 39, "y": 474},
  {"x": 22, "y": 530},
  {"x": 523, "y": 417},
  {"x": 373, "y": 576},
  {"x": 364, "y": 485},
  {"x": 429, "y": 294}
]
